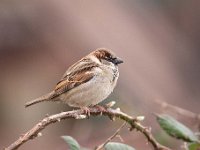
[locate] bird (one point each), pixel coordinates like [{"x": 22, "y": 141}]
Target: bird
[{"x": 87, "y": 82}]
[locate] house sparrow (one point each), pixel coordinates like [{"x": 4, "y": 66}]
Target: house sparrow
[{"x": 87, "y": 82}]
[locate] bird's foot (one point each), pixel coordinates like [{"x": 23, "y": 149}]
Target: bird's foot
[{"x": 86, "y": 110}]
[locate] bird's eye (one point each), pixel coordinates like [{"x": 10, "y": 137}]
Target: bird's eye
[{"x": 110, "y": 57}]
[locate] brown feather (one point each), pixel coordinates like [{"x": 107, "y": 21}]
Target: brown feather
[
  {"x": 102, "y": 53},
  {"x": 74, "y": 77},
  {"x": 66, "y": 85}
]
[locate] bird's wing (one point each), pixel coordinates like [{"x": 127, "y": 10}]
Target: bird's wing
[
  {"x": 74, "y": 78},
  {"x": 79, "y": 66}
]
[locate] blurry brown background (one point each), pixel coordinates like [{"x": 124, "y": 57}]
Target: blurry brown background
[{"x": 39, "y": 40}]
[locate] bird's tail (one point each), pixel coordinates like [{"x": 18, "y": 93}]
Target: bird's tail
[{"x": 46, "y": 97}]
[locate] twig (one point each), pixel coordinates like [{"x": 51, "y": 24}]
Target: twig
[
  {"x": 80, "y": 114},
  {"x": 110, "y": 138},
  {"x": 180, "y": 111}
]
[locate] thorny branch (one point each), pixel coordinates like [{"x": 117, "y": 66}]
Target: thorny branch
[{"x": 81, "y": 114}]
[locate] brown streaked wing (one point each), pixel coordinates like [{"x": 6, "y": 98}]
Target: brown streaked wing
[
  {"x": 81, "y": 65},
  {"x": 67, "y": 85},
  {"x": 71, "y": 82}
]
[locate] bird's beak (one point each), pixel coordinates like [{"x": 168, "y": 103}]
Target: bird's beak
[{"x": 118, "y": 61}]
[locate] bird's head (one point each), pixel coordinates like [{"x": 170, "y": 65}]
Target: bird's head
[{"x": 105, "y": 55}]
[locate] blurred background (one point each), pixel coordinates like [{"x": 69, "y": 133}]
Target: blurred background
[{"x": 39, "y": 40}]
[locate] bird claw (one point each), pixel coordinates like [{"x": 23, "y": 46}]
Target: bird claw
[{"x": 86, "y": 110}]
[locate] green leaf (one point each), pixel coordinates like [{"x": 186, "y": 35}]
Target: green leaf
[
  {"x": 73, "y": 144},
  {"x": 176, "y": 129},
  {"x": 194, "y": 146},
  {"x": 118, "y": 146}
]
